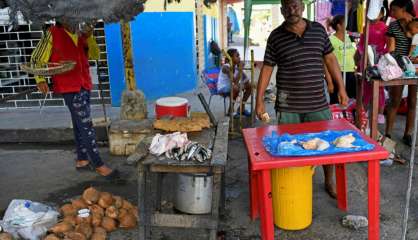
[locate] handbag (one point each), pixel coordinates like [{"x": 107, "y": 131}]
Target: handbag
[{"x": 389, "y": 68}]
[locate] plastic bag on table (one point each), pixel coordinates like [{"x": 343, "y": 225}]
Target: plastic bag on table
[
  {"x": 162, "y": 143},
  {"x": 28, "y": 220},
  {"x": 389, "y": 68}
]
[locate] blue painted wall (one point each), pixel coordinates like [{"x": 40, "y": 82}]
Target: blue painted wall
[
  {"x": 210, "y": 33},
  {"x": 115, "y": 62},
  {"x": 164, "y": 53}
]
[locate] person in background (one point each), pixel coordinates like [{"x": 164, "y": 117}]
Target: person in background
[
  {"x": 229, "y": 29},
  {"x": 63, "y": 42},
  {"x": 377, "y": 39},
  {"x": 412, "y": 32},
  {"x": 299, "y": 48},
  {"x": 232, "y": 15},
  {"x": 243, "y": 83},
  {"x": 337, "y": 41},
  {"x": 400, "y": 45}
]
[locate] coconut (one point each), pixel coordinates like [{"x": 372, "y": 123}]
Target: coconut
[
  {"x": 117, "y": 201},
  {"x": 127, "y": 221},
  {"x": 96, "y": 220},
  {"x": 74, "y": 236},
  {"x": 134, "y": 211},
  {"x": 79, "y": 204},
  {"x": 68, "y": 210},
  {"x": 6, "y": 236},
  {"x": 70, "y": 219},
  {"x": 122, "y": 212},
  {"x": 112, "y": 212},
  {"x": 51, "y": 237},
  {"x": 127, "y": 205},
  {"x": 80, "y": 220},
  {"x": 97, "y": 210},
  {"x": 105, "y": 200},
  {"x": 99, "y": 230},
  {"x": 91, "y": 195},
  {"x": 109, "y": 224},
  {"x": 61, "y": 227},
  {"x": 85, "y": 229},
  {"x": 99, "y": 236}
]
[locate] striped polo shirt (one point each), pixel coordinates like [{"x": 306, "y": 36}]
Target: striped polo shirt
[
  {"x": 402, "y": 42},
  {"x": 300, "y": 61}
]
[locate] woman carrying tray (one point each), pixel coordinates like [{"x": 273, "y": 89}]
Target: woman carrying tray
[{"x": 63, "y": 43}]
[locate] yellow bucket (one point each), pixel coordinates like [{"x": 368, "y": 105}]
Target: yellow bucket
[{"x": 292, "y": 197}]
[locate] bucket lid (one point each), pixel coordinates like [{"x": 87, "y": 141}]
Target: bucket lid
[{"x": 171, "y": 101}]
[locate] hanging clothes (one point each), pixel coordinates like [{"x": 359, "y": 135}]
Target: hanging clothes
[
  {"x": 234, "y": 20},
  {"x": 352, "y": 25},
  {"x": 323, "y": 12},
  {"x": 416, "y": 6},
  {"x": 338, "y": 7},
  {"x": 360, "y": 16}
]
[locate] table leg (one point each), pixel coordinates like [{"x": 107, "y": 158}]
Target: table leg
[
  {"x": 216, "y": 195},
  {"x": 341, "y": 186},
  {"x": 374, "y": 198},
  {"x": 252, "y": 180},
  {"x": 141, "y": 201},
  {"x": 265, "y": 205},
  {"x": 374, "y": 110}
]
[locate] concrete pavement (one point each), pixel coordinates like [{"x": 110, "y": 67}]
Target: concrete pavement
[{"x": 44, "y": 172}]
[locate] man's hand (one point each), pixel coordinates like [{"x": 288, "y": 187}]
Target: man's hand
[
  {"x": 263, "y": 82},
  {"x": 43, "y": 87},
  {"x": 342, "y": 97},
  {"x": 260, "y": 109},
  {"x": 331, "y": 88}
]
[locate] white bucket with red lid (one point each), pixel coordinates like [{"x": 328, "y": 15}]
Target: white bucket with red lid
[{"x": 171, "y": 107}]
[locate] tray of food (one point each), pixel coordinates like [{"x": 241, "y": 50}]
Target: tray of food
[
  {"x": 311, "y": 144},
  {"x": 48, "y": 69}
]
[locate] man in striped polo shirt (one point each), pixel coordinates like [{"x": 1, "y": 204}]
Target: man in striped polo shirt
[{"x": 300, "y": 49}]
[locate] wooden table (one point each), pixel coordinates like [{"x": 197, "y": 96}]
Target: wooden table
[
  {"x": 376, "y": 84},
  {"x": 151, "y": 170},
  {"x": 261, "y": 162}
]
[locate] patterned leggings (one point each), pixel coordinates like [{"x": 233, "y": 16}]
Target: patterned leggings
[{"x": 84, "y": 133}]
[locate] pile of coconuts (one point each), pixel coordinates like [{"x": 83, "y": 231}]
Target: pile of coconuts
[
  {"x": 93, "y": 216},
  {"x": 6, "y": 236}
]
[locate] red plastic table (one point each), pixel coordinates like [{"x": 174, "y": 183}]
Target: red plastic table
[{"x": 261, "y": 162}]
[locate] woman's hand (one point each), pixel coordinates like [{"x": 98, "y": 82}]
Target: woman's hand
[{"x": 43, "y": 87}]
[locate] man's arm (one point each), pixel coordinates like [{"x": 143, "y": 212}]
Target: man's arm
[
  {"x": 328, "y": 78},
  {"x": 334, "y": 69},
  {"x": 263, "y": 82}
]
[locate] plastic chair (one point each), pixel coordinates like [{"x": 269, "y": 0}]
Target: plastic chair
[{"x": 210, "y": 78}]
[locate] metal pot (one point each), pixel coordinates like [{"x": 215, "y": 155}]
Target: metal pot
[{"x": 194, "y": 193}]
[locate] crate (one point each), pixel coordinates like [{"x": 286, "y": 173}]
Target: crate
[{"x": 124, "y": 135}]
